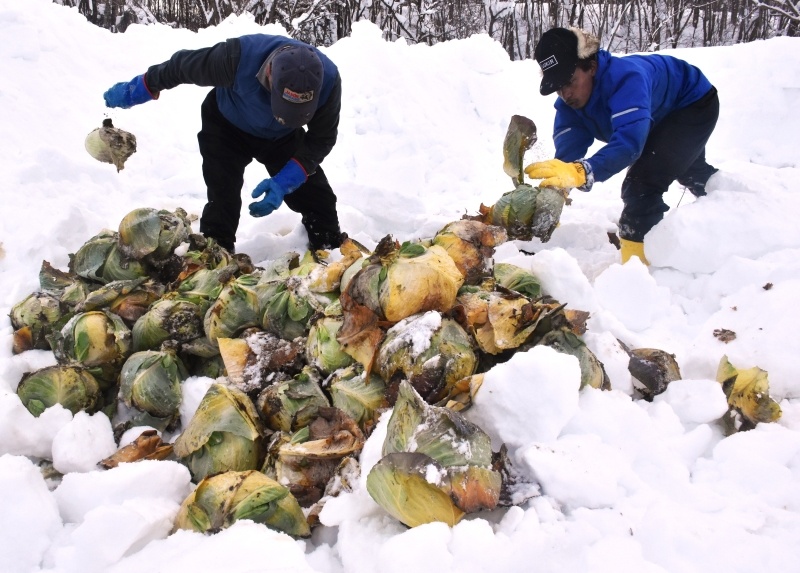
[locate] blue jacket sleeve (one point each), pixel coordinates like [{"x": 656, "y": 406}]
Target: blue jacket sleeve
[
  {"x": 570, "y": 136},
  {"x": 631, "y": 119},
  {"x": 621, "y": 151}
]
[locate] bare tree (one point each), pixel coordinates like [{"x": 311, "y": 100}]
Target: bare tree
[
  {"x": 786, "y": 12},
  {"x": 623, "y": 25}
]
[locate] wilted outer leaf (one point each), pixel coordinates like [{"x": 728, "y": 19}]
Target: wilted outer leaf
[
  {"x": 520, "y": 137},
  {"x": 224, "y": 434},
  {"x": 236, "y": 309},
  {"x": 93, "y": 339},
  {"x": 471, "y": 246},
  {"x": 748, "y": 393},
  {"x": 462, "y": 449},
  {"x": 54, "y": 280},
  {"x": 359, "y": 399},
  {"x": 151, "y": 382},
  {"x": 345, "y": 479},
  {"x": 360, "y": 334},
  {"x": 307, "y": 461},
  {"x": 106, "y": 294},
  {"x": 68, "y": 287},
  {"x": 475, "y": 488},
  {"x": 223, "y": 499},
  {"x": 152, "y": 233},
  {"x": 235, "y": 353},
  {"x": 517, "y": 279},
  {"x": 100, "y": 260},
  {"x": 432, "y": 365},
  {"x": 463, "y": 393},
  {"x": 500, "y": 321},
  {"x": 429, "y": 281},
  {"x": 351, "y": 271},
  {"x": 414, "y": 489},
  {"x": 207, "y": 253},
  {"x": 34, "y": 319},
  {"x": 169, "y": 318},
  {"x": 290, "y": 405},
  {"x": 328, "y": 277},
  {"x": 446, "y": 436},
  {"x": 323, "y": 350},
  {"x": 592, "y": 371},
  {"x": 72, "y": 387}
]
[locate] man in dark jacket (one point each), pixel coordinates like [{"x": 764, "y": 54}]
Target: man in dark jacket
[
  {"x": 266, "y": 88},
  {"x": 654, "y": 112}
]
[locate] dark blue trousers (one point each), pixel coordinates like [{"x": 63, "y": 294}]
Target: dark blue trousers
[{"x": 674, "y": 150}]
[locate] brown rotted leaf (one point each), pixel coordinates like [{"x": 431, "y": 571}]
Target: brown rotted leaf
[
  {"x": 148, "y": 446},
  {"x": 724, "y": 335},
  {"x": 251, "y": 359},
  {"x": 471, "y": 245},
  {"x": 360, "y": 334},
  {"x": 462, "y": 394},
  {"x": 306, "y": 461},
  {"x": 576, "y": 320}
]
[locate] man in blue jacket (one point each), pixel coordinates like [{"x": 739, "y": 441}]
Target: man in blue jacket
[
  {"x": 654, "y": 112},
  {"x": 265, "y": 89}
]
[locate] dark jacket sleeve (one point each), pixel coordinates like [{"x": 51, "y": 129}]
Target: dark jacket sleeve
[
  {"x": 321, "y": 131},
  {"x": 214, "y": 66}
]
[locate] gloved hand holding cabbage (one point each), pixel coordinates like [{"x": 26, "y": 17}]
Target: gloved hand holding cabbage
[
  {"x": 561, "y": 175},
  {"x": 274, "y": 190}
]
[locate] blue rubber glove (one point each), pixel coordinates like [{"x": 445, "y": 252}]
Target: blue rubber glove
[
  {"x": 274, "y": 190},
  {"x": 128, "y": 94}
]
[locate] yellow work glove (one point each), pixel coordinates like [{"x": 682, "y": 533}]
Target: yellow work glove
[{"x": 557, "y": 174}]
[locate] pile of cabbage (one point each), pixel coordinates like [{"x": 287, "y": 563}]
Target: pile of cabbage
[{"x": 306, "y": 353}]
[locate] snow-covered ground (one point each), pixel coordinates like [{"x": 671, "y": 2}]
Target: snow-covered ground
[{"x": 627, "y": 485}]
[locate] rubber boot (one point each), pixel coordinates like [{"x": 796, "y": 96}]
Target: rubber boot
[{"x": 630, "y": 249}]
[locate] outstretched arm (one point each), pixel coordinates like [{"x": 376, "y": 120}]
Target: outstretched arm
[{"x": 214, "y": 66}]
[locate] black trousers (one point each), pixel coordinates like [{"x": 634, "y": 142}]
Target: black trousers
[
  {"x": 674, "y": 150},
  {"x": 227, "y": 151}
]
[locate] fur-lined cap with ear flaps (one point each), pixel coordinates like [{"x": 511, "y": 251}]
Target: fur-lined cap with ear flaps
[{"x": 558, "y": 52}]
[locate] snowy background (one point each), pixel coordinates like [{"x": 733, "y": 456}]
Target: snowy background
[{"x": 627, "y": 485}]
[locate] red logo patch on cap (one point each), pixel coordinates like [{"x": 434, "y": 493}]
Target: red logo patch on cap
[{"x": 297, "y": 97}]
